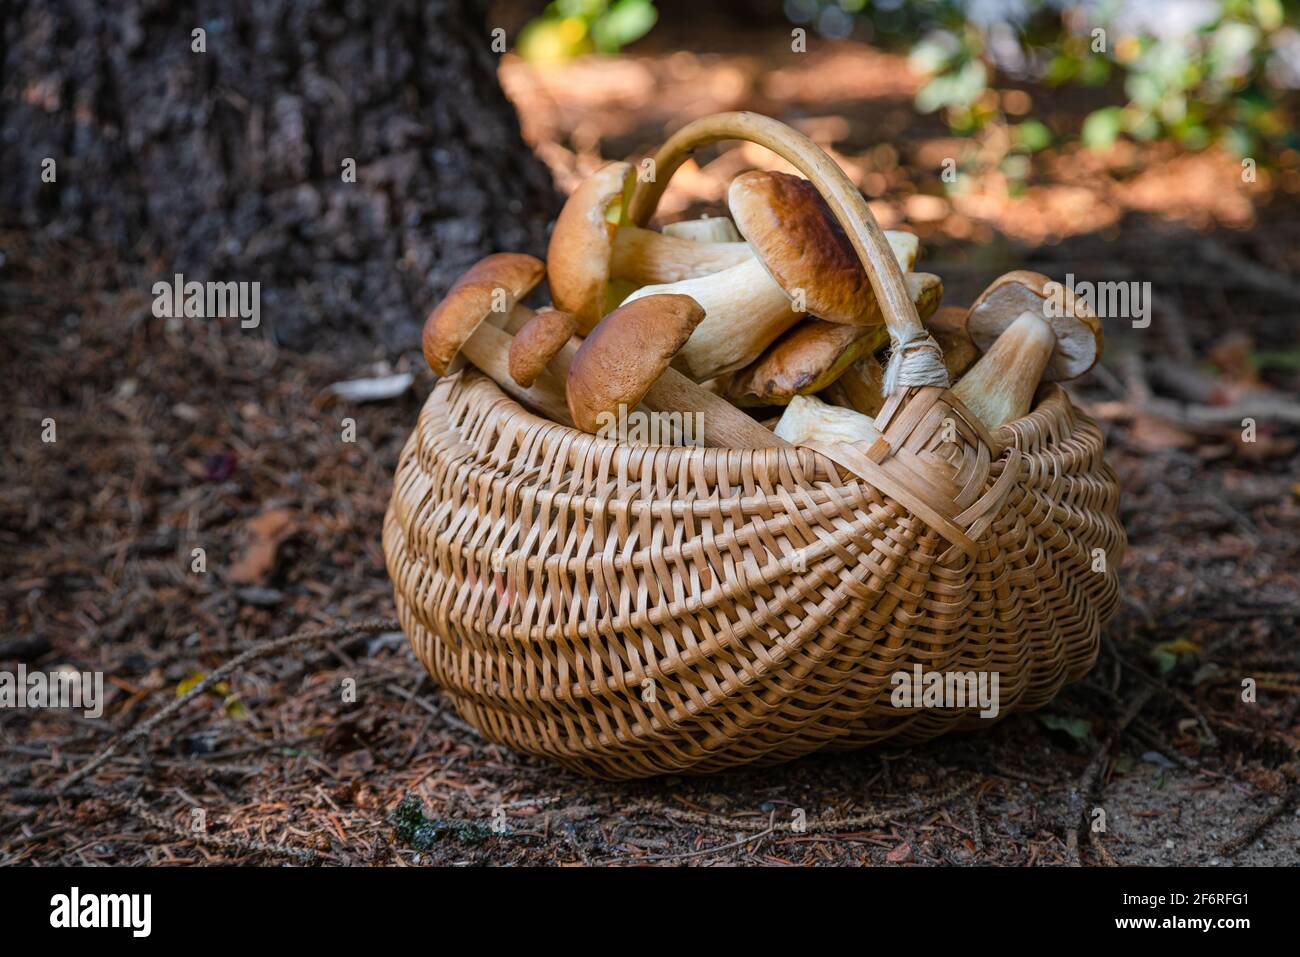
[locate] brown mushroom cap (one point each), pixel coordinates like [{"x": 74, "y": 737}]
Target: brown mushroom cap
[
  {"x": 582, "y": 243},
  {"x": 815, "y": 353},
  {"x": 793, "y": 232},
  {"x": 627, "y": 351},
  {"x": 494, "y": 283},
  {"x": 807, "y": 359},
  {"x": 537, "y": 343},
  {"x": 1078, "y": 333}
]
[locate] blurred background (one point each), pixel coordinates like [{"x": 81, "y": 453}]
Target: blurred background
[{"x": 1149, "y": 142}]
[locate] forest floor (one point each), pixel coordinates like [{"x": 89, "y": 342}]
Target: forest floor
[{"x": 174, "y": 436}]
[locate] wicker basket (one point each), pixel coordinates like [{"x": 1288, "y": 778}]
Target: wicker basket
[{"x": 631, "y": 610}]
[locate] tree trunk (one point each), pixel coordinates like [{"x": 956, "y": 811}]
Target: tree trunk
[{"x": 231, "y": 164}]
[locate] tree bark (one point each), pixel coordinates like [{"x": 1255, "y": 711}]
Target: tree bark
[{"x": 229, "y": 164}]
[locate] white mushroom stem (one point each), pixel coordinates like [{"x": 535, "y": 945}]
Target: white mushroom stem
[
  {"x": 645, "y": 256},
  {"x": 808, "y": 419},
  {"x": 745, "y": 310},
  {"x": 709, "y": 229},
  {"x": 1000, "y": 387},
  {"x": 489, "y": 351}
]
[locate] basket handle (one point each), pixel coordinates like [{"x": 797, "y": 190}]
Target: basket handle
[{"x": 915, "y": 358}]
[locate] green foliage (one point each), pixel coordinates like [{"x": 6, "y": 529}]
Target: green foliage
[
  {"x": 1192, "y": 75},
  {"x": 1080, "y": 729},
  {"x": 569, "y": 28}
]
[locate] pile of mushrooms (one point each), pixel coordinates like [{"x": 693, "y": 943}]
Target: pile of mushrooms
[{"x": 766, "y": 316}]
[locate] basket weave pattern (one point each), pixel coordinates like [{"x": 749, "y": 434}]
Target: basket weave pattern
[{"x": 631, "y": 610}]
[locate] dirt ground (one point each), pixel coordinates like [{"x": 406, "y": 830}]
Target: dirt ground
[{"x": 176, "y": 435}]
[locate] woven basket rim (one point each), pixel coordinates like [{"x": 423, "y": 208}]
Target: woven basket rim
[{"x": 1050, "y": 401}]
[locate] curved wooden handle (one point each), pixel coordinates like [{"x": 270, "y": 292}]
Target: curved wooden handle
[{"x": 917, "y": 359}]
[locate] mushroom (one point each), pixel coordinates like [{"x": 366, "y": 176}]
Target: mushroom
[
  {"x": 803, "y": 263},
  {"x": 538, "y": 342},
  {"x": 1027, "y": 337},
  {"x": 1078, "y": 333},
  {"x": 592, "y": 243},
  {"x": 628, "y": 350},
  {"x": 488, "y": 348},
  {"x": 492, "y": 285},
  {"x": 816, "y": 353},
  {"x": 708, "y": 229},
  {"x": 809, "y": 419}
]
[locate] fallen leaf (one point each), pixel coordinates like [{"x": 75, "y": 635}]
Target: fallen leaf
[
  {"x": 1234, "y": 355},
  {"x": 374, "y": 389},
  {"x": 1152, "y": 434},
  {"x": 263, "y": 536},
  {"x": 1077, "y": 728},
  {"x": 900, "y": 855},
  {"x": 230, "y": 702}
]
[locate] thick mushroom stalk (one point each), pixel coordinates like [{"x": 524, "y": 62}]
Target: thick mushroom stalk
[
  {"x": 914, "y": 357},
  {"x": 593, "y": 243},
  {"x": 707, "y": 229},
  {"x": 808, "y": 419},
  {"x": 1000, "y": 387},
  {"x": 744, "y": 312},
  {"x": 644, "y": 256},
  {"x": 804, "y": 264}
]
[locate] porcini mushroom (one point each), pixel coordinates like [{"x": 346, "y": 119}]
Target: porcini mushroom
[
  {"x": 492, "y": 285},
  {"x": 488, "y": 348},
  {"x": 1078, "y": 333},
  {"x": 538, "y": 342},
  {"x": 808, "y": 419},
  {"x": 622, "y": 357},
  {"x": 804, "y": 264},
  {"x": 592, "y": 243},
  {"x": 815, "y": 353},
  {"x": 1018, "y": 353}
]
